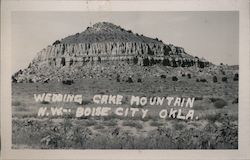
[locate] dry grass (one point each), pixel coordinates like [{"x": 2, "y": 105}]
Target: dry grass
[
  {"x": 156, "y": 123},
  {"x": 16, "y": 103},
  {"x": 135, "y": 124},
  {"x": 67, "y": 134},
  {"x": 111, "y": 122},
  {"x": 133, "y": 132},
  {"x": 99, "y": 127}
]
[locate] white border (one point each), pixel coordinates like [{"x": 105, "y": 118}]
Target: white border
[{"x": 179, "y": 5}]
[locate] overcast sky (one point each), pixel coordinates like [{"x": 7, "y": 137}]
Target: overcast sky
[{"x": 212, "y": 35}]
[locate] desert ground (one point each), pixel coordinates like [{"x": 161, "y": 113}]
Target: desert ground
[{"x": 216, "y": 106}]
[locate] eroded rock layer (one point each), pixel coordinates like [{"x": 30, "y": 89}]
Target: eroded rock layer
[{"x": 100, "y": 44}]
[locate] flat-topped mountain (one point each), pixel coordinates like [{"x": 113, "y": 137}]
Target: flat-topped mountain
[{"x": 103, "y": 46}]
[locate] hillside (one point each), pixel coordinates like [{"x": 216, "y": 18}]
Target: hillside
[
  {"x": 105, "y": 47},
  {"x": 107, "y": 32}
]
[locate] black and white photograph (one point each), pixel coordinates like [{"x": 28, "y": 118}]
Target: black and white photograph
[{"x": 125, "y": 80}]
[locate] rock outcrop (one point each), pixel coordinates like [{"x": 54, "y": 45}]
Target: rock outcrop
[{"x": 102, "y": 43}]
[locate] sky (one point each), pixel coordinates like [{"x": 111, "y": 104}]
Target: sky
[{"x": 213, "y": 35}]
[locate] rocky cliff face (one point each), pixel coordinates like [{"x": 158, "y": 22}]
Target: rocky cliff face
[
  {"x": 104, "y": 42},
  {"x": 69, "y": 54}
]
